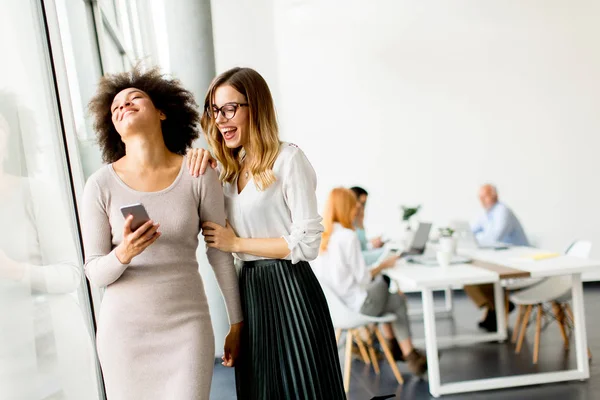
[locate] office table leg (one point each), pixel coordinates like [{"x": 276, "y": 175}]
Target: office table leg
[
  {"x": 449, "y": 300},
  {"x": 440, "y": 312},
  {"x": 500, "y": 311},
  {"x": 579, "y": 326},
  {"x": 433, "y": 364}
]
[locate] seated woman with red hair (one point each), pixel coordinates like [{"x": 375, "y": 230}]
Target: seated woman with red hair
[{"x": 341, "y": 267}]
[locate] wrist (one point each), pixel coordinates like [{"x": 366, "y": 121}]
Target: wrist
[
  {"x": 122, "y": 255},
  {"x": 238, "y": 244}
]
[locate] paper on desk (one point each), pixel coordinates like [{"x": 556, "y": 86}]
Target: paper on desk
[{"x": 536, "y": 257}]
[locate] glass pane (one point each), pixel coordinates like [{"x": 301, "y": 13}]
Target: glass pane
[
  {"x": 109, "y": 8},
  {"x": 112, "y": 58},
  {"x": 125, "y": 28},
  {"x": 46, "y": 343}
]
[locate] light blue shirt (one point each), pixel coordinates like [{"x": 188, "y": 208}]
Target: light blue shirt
[
  {"x": 370, "y": 255},
  {"x": 500, "y": 225}
]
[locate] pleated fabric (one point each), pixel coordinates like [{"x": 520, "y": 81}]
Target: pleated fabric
[{"x": 288, "y": 345}]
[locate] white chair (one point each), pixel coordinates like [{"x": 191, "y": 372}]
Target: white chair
[
  {"x": 345, "y": 319},
  {"x": 514, "y": 285},
  {"x": 557, "y": 292}
]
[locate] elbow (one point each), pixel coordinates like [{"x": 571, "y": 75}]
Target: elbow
[
  {"x": 312, "y": 247},
  {"x": 304, "y": 247},
  {"x": 303, "y": 252},
  {"x": 310, "y": 254},
  {"x": 92, "y": 276}
]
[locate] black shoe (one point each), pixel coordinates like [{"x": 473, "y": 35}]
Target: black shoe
[
  {"x": 489, "y": 323},
  {"x": 396, "y": 350},
  {"x": 511, "y": 307}
]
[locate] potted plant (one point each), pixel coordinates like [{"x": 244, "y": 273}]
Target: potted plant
[
  {"x": 447, "y": 240},
  {"x": 408, "y": 213},
  {"x": 406, "y": 230}
]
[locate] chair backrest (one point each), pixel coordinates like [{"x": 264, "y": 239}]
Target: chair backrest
[
  {"x": 557, "y": 288},
  {"x": 579, "y": 248},
  {"x": 560, "y": 286},
  {"x": 342, "y": 316}
]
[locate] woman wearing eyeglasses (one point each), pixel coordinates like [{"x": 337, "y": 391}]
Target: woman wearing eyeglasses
[{"x": 288, "y": 347}]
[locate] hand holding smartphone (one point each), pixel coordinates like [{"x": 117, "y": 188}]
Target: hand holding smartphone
[
  {"x": 139, "y": 213},
  {"x": 139, "y": 232}
]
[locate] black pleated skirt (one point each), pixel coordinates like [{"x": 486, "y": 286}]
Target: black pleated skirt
[{"x": 288, "y": 345}]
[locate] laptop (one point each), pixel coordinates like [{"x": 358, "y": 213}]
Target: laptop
[
  {"x": 417, "y": 247},
  {"x": 467, "y": 239}
]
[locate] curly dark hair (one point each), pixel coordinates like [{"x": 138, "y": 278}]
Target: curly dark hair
[{"x": 168, "y": 95}]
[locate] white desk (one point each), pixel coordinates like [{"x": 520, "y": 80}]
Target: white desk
[
  {"x": 427, "y": 279},
  {"x": 513, "y": 258}
]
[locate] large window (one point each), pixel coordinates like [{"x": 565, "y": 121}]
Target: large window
[
  {"x": 53, "y": 54},
  {"x": 46, "y": 335},
  {"x": 119, "y": 34},
  {"x": 98, "y": 37}
]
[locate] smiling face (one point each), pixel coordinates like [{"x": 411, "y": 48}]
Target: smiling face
[
  {"x": 132, "y": 110},
  {"x": 234, "y": 129}
]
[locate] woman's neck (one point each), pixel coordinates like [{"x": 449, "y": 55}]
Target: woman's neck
[
  {"x": 248, "y": 156},
  {"x": 147, "y": 153}
]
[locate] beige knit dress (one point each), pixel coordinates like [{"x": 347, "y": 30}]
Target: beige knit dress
[{"x": 155, "y": 338}]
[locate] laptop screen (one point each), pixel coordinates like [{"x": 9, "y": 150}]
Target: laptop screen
[{"x": 421, "y": 236}]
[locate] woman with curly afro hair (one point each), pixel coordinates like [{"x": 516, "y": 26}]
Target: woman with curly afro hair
[{"x": 155, "y": 338}]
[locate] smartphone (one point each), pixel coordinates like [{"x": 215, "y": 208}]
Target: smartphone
[{"x": 140, "y": 215}]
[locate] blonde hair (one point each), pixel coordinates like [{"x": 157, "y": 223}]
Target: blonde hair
[
  {"x": 340, "y": 204},
  {"x": 263, "y": 132}
]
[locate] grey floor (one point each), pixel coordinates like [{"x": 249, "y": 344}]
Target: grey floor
[{"x": 478, "y": 361}]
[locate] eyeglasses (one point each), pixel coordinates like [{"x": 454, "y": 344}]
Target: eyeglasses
[{"x": 228, "y": 110}]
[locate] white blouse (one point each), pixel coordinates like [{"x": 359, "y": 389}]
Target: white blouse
[
  {"x": 342, "y": 267},
  {"x": 287, "y": 208}
]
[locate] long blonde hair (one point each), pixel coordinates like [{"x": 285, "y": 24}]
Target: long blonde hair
[
  {"x": 340, "y": 204},
  {"x": 263, "y": 132}
]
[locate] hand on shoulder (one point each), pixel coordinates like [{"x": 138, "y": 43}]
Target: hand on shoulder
[{"x": 198, "y": 160}]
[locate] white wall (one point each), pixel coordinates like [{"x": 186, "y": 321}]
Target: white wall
[
  {"x": 244, "y": 36},
  {"x": 421, "y": 102}
]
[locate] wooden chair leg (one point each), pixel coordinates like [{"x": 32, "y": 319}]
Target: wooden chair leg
[
  {"x": 348, "y": 361},
  {"x": 389, "y": 356},
  {"x": 338, "y": 333},
  {"x": 538, "y": 332},
  {"x": 517, "y": 324},
  {"x": 523, "y": 329},
  {"x": 361, "y": 347},
  {"x": 559, "y": 313},
  {"x": 569, "y": 313},
  {"x": 372, "y": 350}
]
